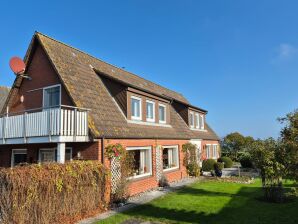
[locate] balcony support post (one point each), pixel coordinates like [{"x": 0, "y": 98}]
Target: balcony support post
[{"x": 61, "y": 152}]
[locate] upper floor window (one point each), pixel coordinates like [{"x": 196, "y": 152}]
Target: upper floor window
[
  {"x": 162, "y": 113},
  {"x": 52, "y": 96},
  {"x": 191, "y": 119},
  {"x": 202, "y": 122},
  {"x": 136, "y": 108},
  {"x": 197, "y": 120},
  {"x": 150, "y": 111}
]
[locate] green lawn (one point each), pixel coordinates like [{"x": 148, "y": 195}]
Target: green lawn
[{"x": 213, "y": 202}]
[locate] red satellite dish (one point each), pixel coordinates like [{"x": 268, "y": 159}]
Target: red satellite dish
[{"x": 17, "y": 65}]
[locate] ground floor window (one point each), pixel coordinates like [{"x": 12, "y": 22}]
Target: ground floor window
[
  {"x": 50, "y": 155},
  {"x": 142, "y": 161},
  {"x": 170, "y": 157},
  {"x": 208, "y": 151},
  {"x": 215, "y": 152},
  {"x": 18, "y": 157}
]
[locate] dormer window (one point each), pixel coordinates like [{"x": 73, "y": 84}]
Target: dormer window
[
  {"x": 162, "y": 113},
  {"x": 136, "y": 108},
  {"x": 150, "y": 111},
  {"x": 202, "y": 122},
  {"x": 191, "y": 119},
  {"x": 197, "y": 121}
]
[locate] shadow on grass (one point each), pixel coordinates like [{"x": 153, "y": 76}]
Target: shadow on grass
[{"x": 242, "y": 207}]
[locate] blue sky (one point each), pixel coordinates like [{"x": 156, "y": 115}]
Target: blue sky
[{"x": 237, "y": 59}]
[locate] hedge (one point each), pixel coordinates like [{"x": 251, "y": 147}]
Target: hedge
[
  {"x": 208, "y": 164},
  {"x": 53, "y": 193},
  {"x": 228, "y": 163}
]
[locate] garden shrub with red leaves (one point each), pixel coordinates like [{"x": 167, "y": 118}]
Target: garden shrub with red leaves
[{"x": 52, "y": 192}]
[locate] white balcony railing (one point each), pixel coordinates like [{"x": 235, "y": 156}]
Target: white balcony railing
[{"x": 63, "y": 124}]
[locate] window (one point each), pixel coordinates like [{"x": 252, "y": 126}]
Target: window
[
  {"x": 150, "y": 111},
  {"x": 162, "y": 113},
  {"x": 170, "y": 157},
  {"x": 202, "y": 122},
  {"x": 136, "y": 108},
  {"x": 50, "y": 155},
  {"x": 197, "y": 121},
  {"x": 208, "y": 151},
  {"x": 191, "y": 119},
  {"x": 51, "y": 96},
  {"x": 215, "y": 154},
  {"x": 18, "y": 157},
  {"x": 142, "y": 164}
]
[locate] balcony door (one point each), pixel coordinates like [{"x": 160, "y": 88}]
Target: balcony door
[{"x": 52, "y": 96}]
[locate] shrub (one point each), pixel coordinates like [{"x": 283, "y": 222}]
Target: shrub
[
  {"x": 218, "y": 166},
  {"x": 163, "y": 182},
  {"x": 228, "y": 163},
  {"x": 246, "y": 161},
  {"x": 52, "y": 193},
  {"x": 190, "y": 159},
  {"x": 193, "y": 169},
  {"x": 208, "y": 164}
]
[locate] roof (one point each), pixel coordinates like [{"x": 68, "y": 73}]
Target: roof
[
  {"x": 78, "y": 72},
  {"x": 4, "y": 91}
]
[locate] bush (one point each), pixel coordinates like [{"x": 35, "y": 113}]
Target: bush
[
  {"x": 208, "y": 164},
  {"x": 52, "y": 193},
  {"x": 246, "y": 161},
  {"x": 193, "y": 169},
  {"x": 228, "y": 163},
  {"x": 218, "y": 166}
]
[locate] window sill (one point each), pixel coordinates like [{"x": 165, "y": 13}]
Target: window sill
[
  {"x": 172, "y": 169},
  {"x": 140, "y": 177},
  {"x": 196, "y": 129},
  {"x": 148, "y": 123}
]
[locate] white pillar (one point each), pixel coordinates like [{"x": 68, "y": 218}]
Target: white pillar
[{"x": 61, "y": 152}]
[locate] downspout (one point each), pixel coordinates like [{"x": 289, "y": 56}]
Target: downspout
[{"x": 102, "y": 149}]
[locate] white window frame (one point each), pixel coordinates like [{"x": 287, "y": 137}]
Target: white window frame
[
  {"x": 197, "y": 121},
  {"x": 149, "y": 148},
  {"x": 191, "y": 119},
  {"x": 178, "y": 160},
  {"x": 140, "y": 100},
  {"x": 53, "y": 149},
  {"x": 13, "y": 152},
  {"x": 149, "y": 119},
  {"x": 49, "y": 87},
  {"x": 202, "y": 125},
  {"x": 208, "y": 151},
  {"x": 165, "y": 110},
  {"x": 215, "y": 155}
]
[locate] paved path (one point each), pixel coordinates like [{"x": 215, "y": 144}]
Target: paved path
[{"x": 140, "y": 199}]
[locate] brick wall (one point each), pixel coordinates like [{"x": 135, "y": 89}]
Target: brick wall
[
  {"x": 146, "y": 183},
  {"x": 204, "y": 143}
]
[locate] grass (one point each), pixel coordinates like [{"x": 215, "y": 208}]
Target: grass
[{"x": 213, "y": 202}]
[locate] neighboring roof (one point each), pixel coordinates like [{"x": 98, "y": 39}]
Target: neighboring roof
[
  {"x": 76, "y": 70},
  {"x": 4, "y": 91}
]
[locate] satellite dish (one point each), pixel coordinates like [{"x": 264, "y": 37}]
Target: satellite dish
[{"x": 18, "y": 67}]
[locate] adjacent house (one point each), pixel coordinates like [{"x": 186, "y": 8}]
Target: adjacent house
[{"x": 75, "y": 105}]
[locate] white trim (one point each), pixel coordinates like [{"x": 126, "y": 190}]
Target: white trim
[
  {"x": 202, "y": 125},
  {"x": 216, "y": 156},
  {"x": 201, "y": 130},
  {"x": 148, "y": 123},
  {"x": 176, "y": 147},
  {"x": 140, "y": 100},
  {"x": 165, "y": 110},
  {"x": 49, "y": 87},
  {"x": 149, "y": 119},
  {"x": 208, "y": 154},
  {"x": 150, "y": 160},
  {"x": 192, "y": 120},
  {"x": 13, "y": 153}
]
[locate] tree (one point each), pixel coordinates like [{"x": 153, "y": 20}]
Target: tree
[
  {"x": 288, "y": 153},
  {"x": 234, "y": 144}
]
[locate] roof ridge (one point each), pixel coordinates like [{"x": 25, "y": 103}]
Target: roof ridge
[{"x": 67, "y": 45}]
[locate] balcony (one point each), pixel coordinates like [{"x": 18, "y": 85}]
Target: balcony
[{"x": 44, "y": 125}]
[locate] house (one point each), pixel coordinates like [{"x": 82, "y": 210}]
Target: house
[
  {"x": 75, "y": 105},
  {"x": 3, "y": 95}
]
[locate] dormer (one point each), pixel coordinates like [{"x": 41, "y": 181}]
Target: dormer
[{"x": 193, "y": 116}]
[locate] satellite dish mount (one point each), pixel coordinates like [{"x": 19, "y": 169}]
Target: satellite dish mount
[{"x": 18, "y": 67}]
